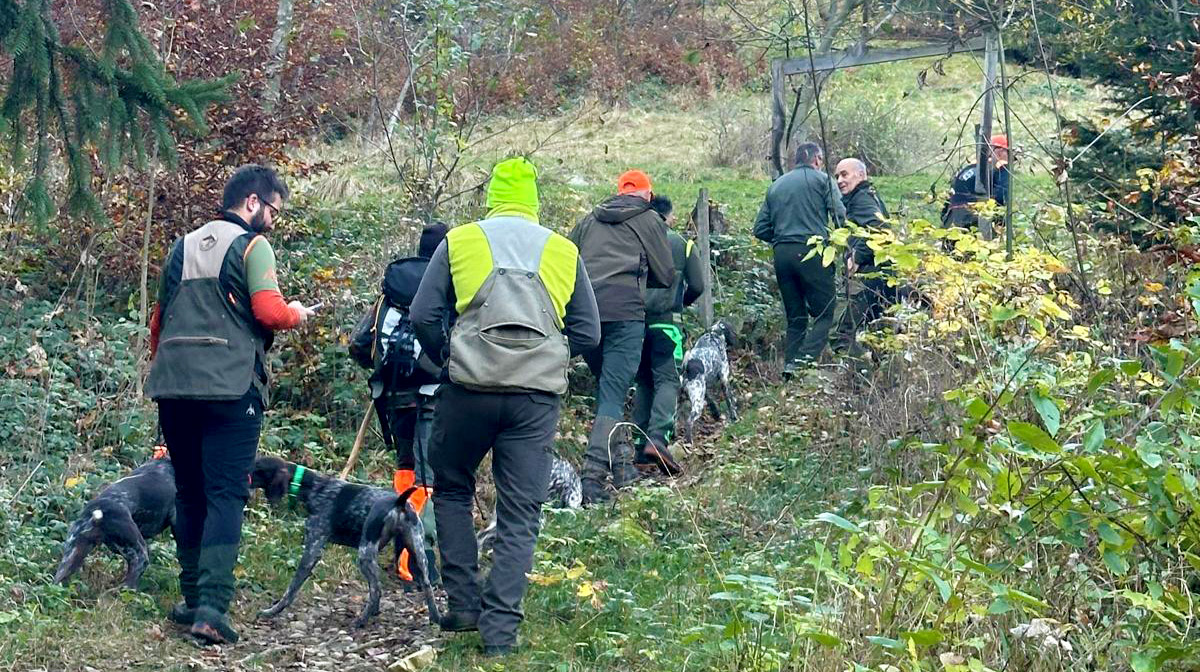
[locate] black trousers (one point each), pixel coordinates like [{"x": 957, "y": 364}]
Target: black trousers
[
  {"x": 212, "y": 446},
  {"x": 864, "y": 308},
  {"x": 809, "y": 299},
  {"x": 410, "y": 418},
  {"x": 519, "y": 429}
]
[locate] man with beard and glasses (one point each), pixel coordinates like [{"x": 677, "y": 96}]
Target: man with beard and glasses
[{"x": 218, "y": 308}]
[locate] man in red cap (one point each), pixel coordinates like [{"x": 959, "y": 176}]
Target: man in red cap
[
  {"x": 624, "y": 248},
  {"x": 958, "y": 211}
]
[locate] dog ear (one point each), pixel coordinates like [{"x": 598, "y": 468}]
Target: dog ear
[
  {"x": 731, "y": 339},
  {"x": 278, "y": 485}
]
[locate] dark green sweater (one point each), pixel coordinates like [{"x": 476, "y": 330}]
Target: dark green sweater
[{"x": 798, "y": 206}]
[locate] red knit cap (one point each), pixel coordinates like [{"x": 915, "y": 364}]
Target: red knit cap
[
  {"x": 1000, "y": 141},
  {"x": 633, "y": 180}
]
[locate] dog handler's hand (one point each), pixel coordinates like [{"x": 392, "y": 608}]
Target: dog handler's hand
[
  {"x": 851, "y": 265},
  {"x": 303, "y": 311}
]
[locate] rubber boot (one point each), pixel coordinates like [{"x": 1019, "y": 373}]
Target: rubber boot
[
  {"x": 212, "y": 626},
  {"x": 184, "y": 613},
  {"x": 597, "y": 461},
  {"x": 623, "y": 471},
  {"x": 417, "y": 499}
]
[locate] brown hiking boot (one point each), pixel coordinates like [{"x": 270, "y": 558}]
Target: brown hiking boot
[{"x": 658, "y": 455}]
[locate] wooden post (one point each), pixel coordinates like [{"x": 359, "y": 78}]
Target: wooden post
[
  {"x": 778, "y": 119},
  {"x": 983, "y": 164},
  {"x": 702, "y": 239},
  {"x": 1008, "y": 200}
]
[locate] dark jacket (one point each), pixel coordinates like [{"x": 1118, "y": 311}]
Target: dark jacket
[
  {"x": 798, "y": 206},
  {"x": 623, "y": 245},
  {"x": 663, "y": 304},
  {"x": 401, "y": 279},
  {"x": 963, "y": 188},
  {"x": 865, "y": 208}
]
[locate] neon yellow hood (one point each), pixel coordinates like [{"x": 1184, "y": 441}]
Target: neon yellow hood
[{"x": 513, "y": 189}]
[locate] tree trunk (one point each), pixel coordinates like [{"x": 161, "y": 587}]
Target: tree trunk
[
  {"x": 832, "y": 17},
  {"x": 277, "y": 59},
  {"x": 144, "y": 294}
]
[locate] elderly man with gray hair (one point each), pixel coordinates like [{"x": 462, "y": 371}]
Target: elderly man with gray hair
[
  {"x": 864, "y": 208},
  {"x": 798, "y": 207}
]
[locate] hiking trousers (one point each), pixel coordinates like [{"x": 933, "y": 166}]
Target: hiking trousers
[
  {"x": 865, "y": 307},
  {"x": 212, "y": 446},
  {"x": 807, "y": 287},
  {"x": 519, "y": 430},
  {"x": 657, "y": 394},
  {"x": 615, "y": 363},
  {"x": 410, "y": 425}
]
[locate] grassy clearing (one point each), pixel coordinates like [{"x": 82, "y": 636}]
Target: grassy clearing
[{"x": 692, "y": 575}]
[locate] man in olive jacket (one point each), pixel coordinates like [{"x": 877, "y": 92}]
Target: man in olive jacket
[
  {"x": 219, "y": 306},
  {"x": 799, "y": 206},
  {"x": 624, "y": 247},
  {"x": 865, "y": 208}
]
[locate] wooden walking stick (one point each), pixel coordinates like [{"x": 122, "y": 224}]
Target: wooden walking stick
[{"x": 358, "y": 441}]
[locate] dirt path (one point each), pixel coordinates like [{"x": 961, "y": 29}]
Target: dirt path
[{"x": 314, "y": 634}]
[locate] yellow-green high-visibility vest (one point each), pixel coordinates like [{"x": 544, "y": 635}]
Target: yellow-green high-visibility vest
[{"x": 512, "y": 281}]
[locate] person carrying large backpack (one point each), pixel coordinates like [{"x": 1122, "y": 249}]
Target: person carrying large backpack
[
  {"x": 521, "y": 305},
  {"x": 403, "y": 381}
]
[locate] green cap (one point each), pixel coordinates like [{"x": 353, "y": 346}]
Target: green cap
[{"x": 513, "y": 189}]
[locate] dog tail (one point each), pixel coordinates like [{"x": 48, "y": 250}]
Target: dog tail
[{"x": 402, "y": 500}]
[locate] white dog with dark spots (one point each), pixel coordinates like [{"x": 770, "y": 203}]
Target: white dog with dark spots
[{"x": 705, "y": 368}]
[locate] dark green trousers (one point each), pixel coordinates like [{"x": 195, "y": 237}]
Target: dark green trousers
[
  {"x": 809, "y": 300},
  {"x": 657, "y": 393}
]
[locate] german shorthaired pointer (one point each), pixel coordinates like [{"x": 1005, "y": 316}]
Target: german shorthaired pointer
[
  {"x": 346, "y": 514},
  {"x": 705, "y": 366},
  {"x": 566, "y": 492},
  {"x": 123, "y": 516}
]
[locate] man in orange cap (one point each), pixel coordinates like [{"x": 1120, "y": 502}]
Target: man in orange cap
[
  {"x": 624, "y": 247},
  {"x": 958, "y": 211}
]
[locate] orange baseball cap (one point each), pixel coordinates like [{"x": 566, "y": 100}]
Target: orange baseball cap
[
  {"x": 999, "y": 141},
  {"x": 633, "y": 180}
]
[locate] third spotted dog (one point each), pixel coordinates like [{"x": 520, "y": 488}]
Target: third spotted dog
[
  {"x": 565, "y": 492},
  {"x": 705, "y": 368}
]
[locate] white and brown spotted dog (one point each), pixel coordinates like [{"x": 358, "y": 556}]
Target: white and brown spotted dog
[{"x": 705, "y": 368}]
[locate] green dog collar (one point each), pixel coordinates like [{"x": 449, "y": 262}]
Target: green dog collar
[{"x": 294, "y": 488}]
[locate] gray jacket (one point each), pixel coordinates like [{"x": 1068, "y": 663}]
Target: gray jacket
[
  {"x": 434, "y": 307},
  {"x": 798, "y": 206}
]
